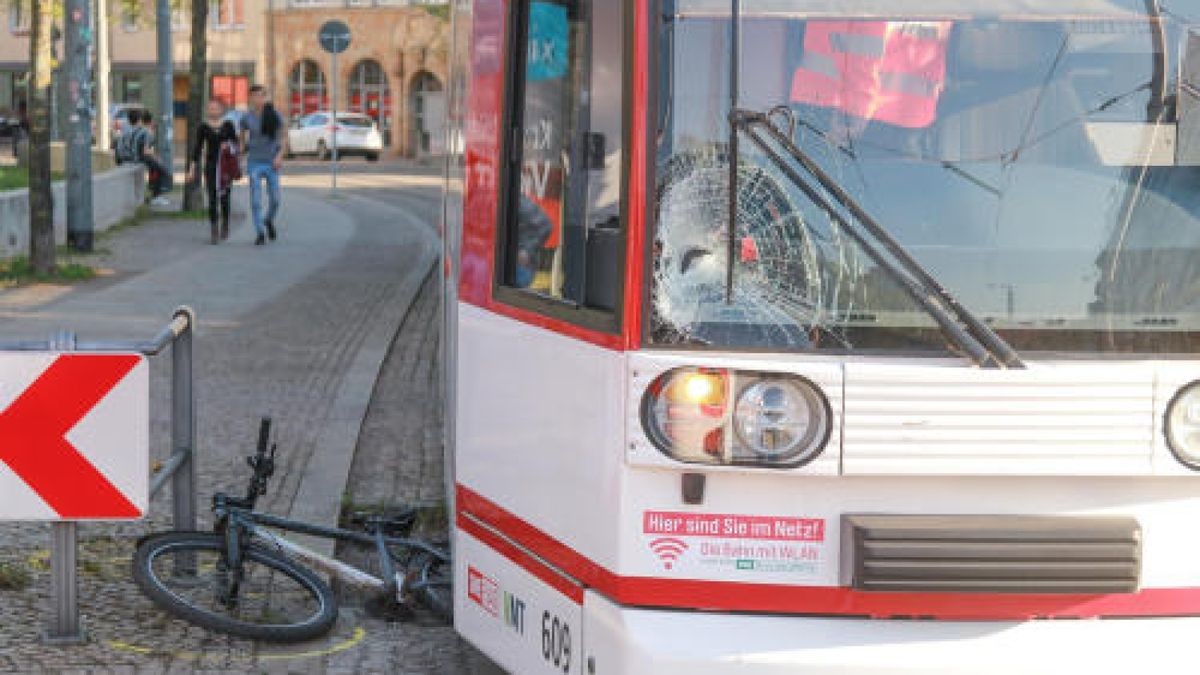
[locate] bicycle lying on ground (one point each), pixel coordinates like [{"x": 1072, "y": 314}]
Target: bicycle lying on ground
[{"x": 244, "y": 580}]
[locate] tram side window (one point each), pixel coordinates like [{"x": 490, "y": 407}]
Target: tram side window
[{"x": 563, "y": 236}]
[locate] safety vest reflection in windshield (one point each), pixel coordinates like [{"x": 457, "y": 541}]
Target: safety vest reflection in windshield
[{"x": 890, "y": 71}]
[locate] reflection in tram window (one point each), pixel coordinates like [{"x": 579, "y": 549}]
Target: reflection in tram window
[{"x": 564, "y": 203}]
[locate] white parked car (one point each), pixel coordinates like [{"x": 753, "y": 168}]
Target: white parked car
[{"x": 357, "y": 134}]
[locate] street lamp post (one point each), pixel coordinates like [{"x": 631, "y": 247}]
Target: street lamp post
[
  {"x": 166, "y": 99},
  {"x": 103, "y": 66}
]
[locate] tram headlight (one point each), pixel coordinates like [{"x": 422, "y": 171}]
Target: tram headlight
[
  {"x": 716, "y": 416},
  {"x": 1183, "y": 425},
  {"x": 781, "y": 419}
]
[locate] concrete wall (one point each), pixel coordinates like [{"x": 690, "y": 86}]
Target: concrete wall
[
  {"x": 116, "y": 195},
  {"x": 102, "y": 160}
]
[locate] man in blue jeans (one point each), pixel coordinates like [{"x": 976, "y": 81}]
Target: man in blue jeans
[{"x": 262, "y": 144}]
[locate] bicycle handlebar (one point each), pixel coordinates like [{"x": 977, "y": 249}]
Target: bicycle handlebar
[
  {"x": 264, "y": 435},
  {"x": 263, "y": 463}
]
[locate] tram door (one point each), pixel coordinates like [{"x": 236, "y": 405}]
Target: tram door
[{"x": 539, "y": 411}]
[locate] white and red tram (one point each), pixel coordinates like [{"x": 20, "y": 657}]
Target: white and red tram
[{"x": 806, "y": 336}]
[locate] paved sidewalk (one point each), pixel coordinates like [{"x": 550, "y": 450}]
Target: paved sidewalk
[{"x": 279, "y": 328}]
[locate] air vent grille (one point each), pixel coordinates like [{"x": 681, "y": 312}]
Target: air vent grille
[{"x": 991, "y": 554}]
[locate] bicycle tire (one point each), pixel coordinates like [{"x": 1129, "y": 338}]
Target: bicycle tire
[{"x": 154, "y": 546}]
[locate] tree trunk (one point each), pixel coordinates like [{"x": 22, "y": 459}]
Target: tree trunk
[
  {"x": 197, "y": 99},
  {"x": 41, "y": 198}
]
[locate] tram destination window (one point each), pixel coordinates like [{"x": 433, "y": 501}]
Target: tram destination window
[
  {"x": 562, "y": 236},
  {"x": 1039, "y": 160}
]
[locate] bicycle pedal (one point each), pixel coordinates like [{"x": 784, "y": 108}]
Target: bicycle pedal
[{"x": 388, "y": 609}]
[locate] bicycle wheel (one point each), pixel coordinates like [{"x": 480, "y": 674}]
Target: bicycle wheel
[
  {"x": 431, "y": 580},
  {"x": 277, "y": 599}
]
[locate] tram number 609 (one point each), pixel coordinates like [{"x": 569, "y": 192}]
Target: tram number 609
[{"x": 556, "y": 641}]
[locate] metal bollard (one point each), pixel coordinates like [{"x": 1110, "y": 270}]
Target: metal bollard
[
  {"x": 183, "y": 425},
  {"x": 183, "y": 438},
  {"x": 64, "y": 585}
]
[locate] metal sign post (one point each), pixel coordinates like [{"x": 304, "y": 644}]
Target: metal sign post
[
  {"x": 333, "y": 135},
  {"x": 66, "y": 629},
  {"x": 55, "y": 384},
  {"x": 334, "y": 37}
]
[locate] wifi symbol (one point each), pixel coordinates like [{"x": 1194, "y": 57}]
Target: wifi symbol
[{"x": 668, "y": 550}]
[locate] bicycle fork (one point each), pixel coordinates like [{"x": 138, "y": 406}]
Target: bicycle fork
[
  {"x": 229, "y": 569},
  {"x": 393, "y": 584}
]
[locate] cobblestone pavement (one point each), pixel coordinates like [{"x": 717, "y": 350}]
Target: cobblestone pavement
[{"x": 278, "y": 327}]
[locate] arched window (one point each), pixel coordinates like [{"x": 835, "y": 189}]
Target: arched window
[
  {"x": 428, "y": 104},
  {"x": 306, "y": 87},
  {"x": 369, "y": 93}
]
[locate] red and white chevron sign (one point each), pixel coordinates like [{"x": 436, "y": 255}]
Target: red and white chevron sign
[{"x": 74, "y": 436}]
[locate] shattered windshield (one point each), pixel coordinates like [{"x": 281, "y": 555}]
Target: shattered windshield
[{"x": 1041, "y": 160}]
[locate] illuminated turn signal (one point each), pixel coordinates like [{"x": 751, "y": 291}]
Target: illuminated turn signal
[{"x": 697, "y": 387}]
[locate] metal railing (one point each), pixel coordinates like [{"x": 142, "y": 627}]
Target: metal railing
[{"x": 179, "y": 468}]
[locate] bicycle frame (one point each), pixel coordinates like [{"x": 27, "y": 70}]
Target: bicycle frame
[
  {"x": 233, "y": 520},
  {"x": 235, "y": 516}
]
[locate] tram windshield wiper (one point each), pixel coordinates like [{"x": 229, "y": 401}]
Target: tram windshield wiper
[{"x": 962, "y": 328}]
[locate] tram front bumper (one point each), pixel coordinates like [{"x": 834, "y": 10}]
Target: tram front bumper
[{"x": 628, "y": 641}]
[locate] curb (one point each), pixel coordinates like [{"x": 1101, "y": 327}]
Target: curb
[{"x": 318, "y": 497}]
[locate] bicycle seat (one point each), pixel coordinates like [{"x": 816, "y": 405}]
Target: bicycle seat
[{"x": 393, "y": 522}]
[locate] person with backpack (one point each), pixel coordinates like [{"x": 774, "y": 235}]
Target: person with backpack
[
  {"x": 262, "y": 143},
  {"x": 215, "y": 140},
  {"x": 123, "y": 149},
  {"x": 143, "y": 143}
]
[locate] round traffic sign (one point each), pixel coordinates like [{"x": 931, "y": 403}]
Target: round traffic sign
[{"x": 334, "y": 36}]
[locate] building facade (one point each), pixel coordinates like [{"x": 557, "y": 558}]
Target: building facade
[
  {"x": 394, "y": 70},
  {"x": 236, "y": 52}
]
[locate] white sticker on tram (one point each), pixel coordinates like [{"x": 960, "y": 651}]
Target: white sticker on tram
[
  {"x": 749, "y": 546},
  {"x": 516, "y": 618}
]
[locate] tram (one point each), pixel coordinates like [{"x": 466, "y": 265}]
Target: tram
[{"x": 791, "y": 336}]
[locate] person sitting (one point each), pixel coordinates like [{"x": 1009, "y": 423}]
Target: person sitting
[
  {"x": 123, "y": 148},
  {"x": 143, "y": 145}
]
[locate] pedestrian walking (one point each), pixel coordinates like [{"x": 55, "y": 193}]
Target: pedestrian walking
[
  {"x": 262, "y": 143},
  {"x": 212, "y": 138},
  {"x": 143, "y": 144}
]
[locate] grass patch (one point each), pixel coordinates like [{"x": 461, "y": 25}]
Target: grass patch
[
  {"x": 134, "y": 220},
  {"x": 17, "y": 271},
  {"x": 16, "y": 177},
  {"x": 68, "y": 253},
  {"x": 198, "y": 214},
  {"x": 14, "y": 577}
]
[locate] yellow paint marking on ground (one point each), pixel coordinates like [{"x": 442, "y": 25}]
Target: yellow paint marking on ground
[{"x": 354, "y": 640}]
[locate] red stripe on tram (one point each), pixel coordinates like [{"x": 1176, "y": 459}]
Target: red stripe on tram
[{"x": 730, "y": 596}]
